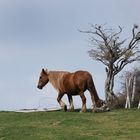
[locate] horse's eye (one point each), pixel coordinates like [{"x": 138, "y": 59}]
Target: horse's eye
[{"x": 40, "y": 77}]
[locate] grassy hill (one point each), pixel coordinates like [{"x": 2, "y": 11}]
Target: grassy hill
[{"x": 57, "y": 125}]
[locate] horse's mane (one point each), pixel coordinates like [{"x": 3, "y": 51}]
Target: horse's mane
[{"x": 55, "y": 77}]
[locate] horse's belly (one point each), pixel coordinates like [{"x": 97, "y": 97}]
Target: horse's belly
[{"x": 72, "y": 92}]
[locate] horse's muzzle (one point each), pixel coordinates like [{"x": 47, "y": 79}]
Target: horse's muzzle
[{"x": 40, "y": 87}]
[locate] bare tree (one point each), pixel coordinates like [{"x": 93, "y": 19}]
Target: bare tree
[{"x": 115, "y": 53}]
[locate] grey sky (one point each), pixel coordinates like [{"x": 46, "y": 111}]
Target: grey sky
[{"x": 43, "y": 33}]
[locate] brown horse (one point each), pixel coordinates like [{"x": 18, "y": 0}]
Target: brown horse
[{"x": 71, "y": 84}]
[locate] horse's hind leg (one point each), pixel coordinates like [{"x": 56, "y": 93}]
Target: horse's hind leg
[
  {"x": 83, "y": 102},
  {"x": 62, "y": 104},
  {"x": 71, "y": 103}
]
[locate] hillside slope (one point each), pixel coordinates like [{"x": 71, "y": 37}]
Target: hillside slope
[{"x": 57, "y": 125}]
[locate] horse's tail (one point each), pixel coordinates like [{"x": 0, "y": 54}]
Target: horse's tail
[{"x": 94, "y": 95}]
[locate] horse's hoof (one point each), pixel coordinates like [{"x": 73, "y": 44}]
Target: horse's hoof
[
  {"x": 82, "y": 111},
  {"x": 65, "y": 108},
  {"x": 71, "y": 110},
  {"x": 94, "y": 110},
  {"x": 107, "y": 109}
]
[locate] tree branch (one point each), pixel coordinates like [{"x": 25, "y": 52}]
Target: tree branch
[{"x": 112, "y": 51}]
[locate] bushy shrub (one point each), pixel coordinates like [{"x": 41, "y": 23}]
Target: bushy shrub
[
  {"x": 119, "y": 102},
  {"x": 121, "y": 97}
]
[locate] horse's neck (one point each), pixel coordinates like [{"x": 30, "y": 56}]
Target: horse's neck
[
  {"x": 53, "y": 75},
  {"x": 55, "y": 78}
]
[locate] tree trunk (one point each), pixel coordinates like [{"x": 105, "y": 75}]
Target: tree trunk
[
  {"x": 109, "y": 84},
  {"x": 128, "y": 87},
  {"x": 139, "y": 104},
  {"x": 133, "y": 89}
]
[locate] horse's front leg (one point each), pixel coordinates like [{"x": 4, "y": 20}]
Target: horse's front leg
[
  {"x": 71, "y": 103},
  {"x": 83, "y": 102},
  {"x": 62, "y": 104}
]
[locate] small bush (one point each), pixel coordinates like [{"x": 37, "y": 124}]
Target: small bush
[{"x": 120, "y": 101}]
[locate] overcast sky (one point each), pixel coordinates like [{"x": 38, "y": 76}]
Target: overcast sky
[{"x": 36, "y": 34}]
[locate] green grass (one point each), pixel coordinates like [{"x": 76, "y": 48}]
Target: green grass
[{"x": 57, "y": 125}]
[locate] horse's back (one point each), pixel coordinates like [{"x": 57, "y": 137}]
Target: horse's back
[
  {"x": 76, "y": 76},
  {"x": 77, "y": 81},
  {"x": 82, "y": 74},
  {"x": 82, "y": 78}
]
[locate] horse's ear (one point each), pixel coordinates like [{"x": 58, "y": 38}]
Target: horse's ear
[{"x": 45, "y": 72}]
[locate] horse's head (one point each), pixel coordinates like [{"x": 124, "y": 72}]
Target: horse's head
[
  {"x": 101, "y": 106},
  {"x": 43, "y": 79}
]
